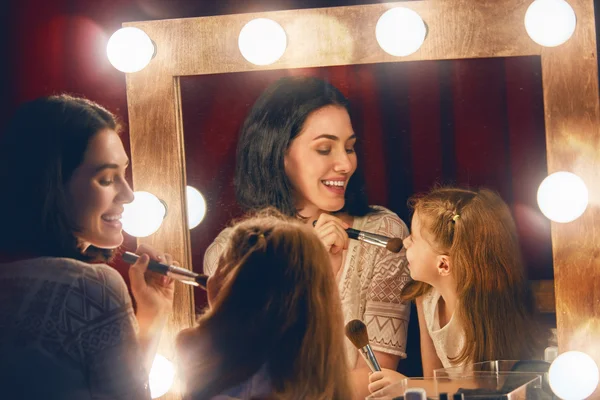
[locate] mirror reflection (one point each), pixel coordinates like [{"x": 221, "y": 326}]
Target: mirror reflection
[
  {"x": 470, "y": 123},
  {"x": 466, "y": 122}
]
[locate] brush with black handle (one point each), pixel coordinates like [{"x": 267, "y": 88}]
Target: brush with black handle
[
  {"x": 356, "y": 331},
  {"x": 181, "y": 274}
]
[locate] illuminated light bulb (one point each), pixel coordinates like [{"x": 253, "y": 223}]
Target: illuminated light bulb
[
  {"x": 573, "y": 375},
  {"x": 162, "y": 375},
  {"x": 144, "y": 215},
  {"x": 196, "y": 206},
  {"x": 550, "y": 23},
  {"x": 562, "y": 197},
  {"x": 400, "y": 31},
  {"x": 262, "y": 41},
  {"x": 130, "y": 49}
]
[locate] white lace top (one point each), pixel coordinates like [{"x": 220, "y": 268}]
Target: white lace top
[
  {"x": 449, "y": 340},
  {"x": 369, "y": 282}
]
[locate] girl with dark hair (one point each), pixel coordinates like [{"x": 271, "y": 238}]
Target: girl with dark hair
[
  {"x": 296, "y": 153},
  {"x": 67, "y": 326},
  {"x": 274, "y": 324},
  {"x": 469, "y": 283}
]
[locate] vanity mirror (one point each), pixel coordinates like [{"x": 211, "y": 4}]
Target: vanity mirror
[{"x": 459, "y": 30}]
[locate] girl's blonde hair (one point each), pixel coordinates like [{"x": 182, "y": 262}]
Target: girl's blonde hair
[
  {"x": 277, "y": 308},
  {"x": 476, "y": 230}
]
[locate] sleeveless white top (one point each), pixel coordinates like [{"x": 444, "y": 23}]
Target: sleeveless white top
[{"x": 448, "y": 340}]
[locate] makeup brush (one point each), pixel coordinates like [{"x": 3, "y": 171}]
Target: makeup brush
[
  {"x": 356, "y": 331},
  {"x": 392, "y": 244},
  {"x": 181, "y": 274}
]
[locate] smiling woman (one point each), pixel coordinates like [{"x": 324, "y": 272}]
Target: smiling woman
[
  {"x": 98, "y": 189},
  {"x": 308, "y": 161},
  {"x": 67, "y": 322},
  {"x": 296, "y": 153}
]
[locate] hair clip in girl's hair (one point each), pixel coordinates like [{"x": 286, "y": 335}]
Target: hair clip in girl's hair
[
  {"x": 455, "y": 217},
  {"x": 255, "y": 238}
]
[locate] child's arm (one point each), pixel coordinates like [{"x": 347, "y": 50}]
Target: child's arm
[
  {"x": 361, "y": 374},
  {"x": 385, "y": 377},
  {"x": 379, "y": 380},
  {"x": 429, "y": 357}
]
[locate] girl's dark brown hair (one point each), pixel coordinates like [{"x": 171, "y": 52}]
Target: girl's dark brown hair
[
  {"x": 278, "y": 309},
  {"x": 44, "y": 143},
  {"x": 495, "y": 305}
]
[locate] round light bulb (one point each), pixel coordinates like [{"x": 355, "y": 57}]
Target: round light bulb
[
  {"x": 196, "y": 206},
  {"x": 262, "y": 41},
  {"x": 161, "y": 376},
  {"x": 562, "y": 197},
  {"x": 550, "y": 23},
  {"x": 573, "y": 375},
  {"x": 130, "y": 49},
  {"x": 400, "y": 31},
  {"x": 144, "y": 215}
]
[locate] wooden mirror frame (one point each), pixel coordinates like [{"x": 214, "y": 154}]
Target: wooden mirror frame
[{"x": 457, "y": 29}]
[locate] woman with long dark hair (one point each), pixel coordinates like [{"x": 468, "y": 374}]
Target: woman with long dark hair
[
  {"x": 296, "y": 153},
  {"x": 67, "y": 326}
]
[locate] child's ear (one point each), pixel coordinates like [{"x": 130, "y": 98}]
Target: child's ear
[{"x": 443, "y": 265}]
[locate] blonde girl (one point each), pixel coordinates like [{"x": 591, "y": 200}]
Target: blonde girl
[{"x": 469, "y": 282}]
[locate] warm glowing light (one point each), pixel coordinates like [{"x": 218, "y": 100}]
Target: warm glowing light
[
  {"x": 196, "y": 206},
  {"x": 144, "y": 215},
  {"x": 161, "y": 377},
  {"x": 562, "y": 197},
  {"x": 400, "y": 31},
  {"x": 573, "y": 376},
  {"x": 129, "y": 49},
  {"x": 262, "y": 41},
  {"x": 550, "y": 23}
]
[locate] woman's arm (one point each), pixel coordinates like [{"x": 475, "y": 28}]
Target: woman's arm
[
  {"x": 429, "y": 357},
  {"x": 102, "y": 335},
  {"x": 385, "y": 314},
  {"x": 153, "y": 294}
]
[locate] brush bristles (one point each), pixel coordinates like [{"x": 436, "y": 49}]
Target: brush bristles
[
  {"x": 356, "y": 331},
  {"x": 394, "y": 245},
  {"x": 202, "y": 280}
]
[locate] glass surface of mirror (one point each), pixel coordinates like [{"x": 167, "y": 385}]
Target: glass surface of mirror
[{"x": 475, "y": 122}]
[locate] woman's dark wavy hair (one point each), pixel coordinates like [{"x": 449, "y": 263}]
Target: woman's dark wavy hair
[
  {"x": 44, "y": 143},
  {"x": 276, "y": 118}
]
